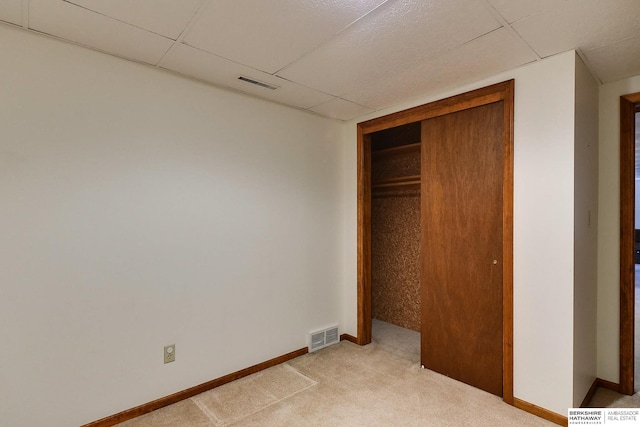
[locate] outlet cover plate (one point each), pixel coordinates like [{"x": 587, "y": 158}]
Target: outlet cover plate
[{"x": 169, "y": 353}]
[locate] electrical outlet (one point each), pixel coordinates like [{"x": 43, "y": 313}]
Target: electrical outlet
[{"x": 169, "y": 353}]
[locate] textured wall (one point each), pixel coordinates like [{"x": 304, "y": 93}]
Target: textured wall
[{"x": 395, "y": 244}]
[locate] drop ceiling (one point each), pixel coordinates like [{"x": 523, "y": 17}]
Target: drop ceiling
[{"x": 343, "y": 58}]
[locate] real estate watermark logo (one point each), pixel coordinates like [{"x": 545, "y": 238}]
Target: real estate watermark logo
[{"x": 604, "y": 416}]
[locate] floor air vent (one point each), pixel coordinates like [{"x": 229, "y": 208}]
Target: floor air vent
[{"x": 323, "y": 338}]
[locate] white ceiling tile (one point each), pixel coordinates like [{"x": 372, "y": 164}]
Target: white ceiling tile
[
  {"x": 339, "y": 56},
  {"x": 396, "y": 37},
  {"x": 584, "y": 24},
  {"x": 79, "y": 25},
  {"x": 11, "y": 11},
  {"x": 483, "y": 57},
  {"x": 267, "y": 35},
  {"x": 222, "y": 72},
  {"x": 164, "y": 17},
  {"x": 341, "y": 109},
  {"x": 514, "y": 10},
  {"x": 616, "y": 61}
]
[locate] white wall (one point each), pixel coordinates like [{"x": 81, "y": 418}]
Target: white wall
[
  {"x": 609, "y": 227},
  {"x": 543, "y": 227},
  {"x": 141, "y": 209},
  {"x": 585, "y": 228},
  {"x": 349, "y": 230}
]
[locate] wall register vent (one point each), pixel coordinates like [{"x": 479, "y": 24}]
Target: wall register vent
[{"x": 323, "y": 338}]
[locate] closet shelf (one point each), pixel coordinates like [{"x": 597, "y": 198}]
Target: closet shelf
[
  {"x": 400, "y": 150},
  {"x": 399, "y": 182}
]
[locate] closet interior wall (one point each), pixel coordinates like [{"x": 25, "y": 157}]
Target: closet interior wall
[{"x": 395, "y": 226}]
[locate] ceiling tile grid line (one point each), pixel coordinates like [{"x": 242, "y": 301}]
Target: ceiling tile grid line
[
  {"x": 516, "y": 10},
  {"x": 301, "y": 85},
  {"x": 346, "y": 27},
  {"x": 85, "y": 46},
  {"x": 82, "y": 26},
  {"x": 400, "y": 36},
  {"x": 115, "y": 19},
  {"x": 257, "y": 74},
  {"x": 161, "y": 17},
  {"x": 484, "y": 56},
  {"x": 585, "y": 24},
  {"x": 505, "y": 24},
  {"x": 615, "y": 60},
  {"x": 13, "y": 24},
  {"x": 194, "y": 19},
  {"x": 269, "y": 35},
  {"x": 25, "y": 14},
  {"x": 238, "y": 91},
  {"x": 339, "y": 58},
  {"x": 242, "y": 70},
  {"x": 222, "y": 72},
  {"x": 590, "y": 67}
]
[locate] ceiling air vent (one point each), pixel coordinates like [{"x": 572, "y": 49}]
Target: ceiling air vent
[{"x": 257, "y": 83}]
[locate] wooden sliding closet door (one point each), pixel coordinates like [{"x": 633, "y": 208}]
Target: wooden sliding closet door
[{"x": 461, "y": 244}]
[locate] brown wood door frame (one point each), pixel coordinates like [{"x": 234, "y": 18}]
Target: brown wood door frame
[
  {"x": 628, "y": 105},
  {"x": 495, "y": 93}
]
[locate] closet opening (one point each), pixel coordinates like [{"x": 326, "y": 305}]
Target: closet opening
[
  {"x": 395, "y": 238},
  {"x": 401, "y": 228}
]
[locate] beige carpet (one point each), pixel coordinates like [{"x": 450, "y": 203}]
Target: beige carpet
[{"x": 380, "y": 384}]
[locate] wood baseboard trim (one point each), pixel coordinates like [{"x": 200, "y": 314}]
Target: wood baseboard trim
[
  {"x": 350, "y": 338},
  {"x": 599, "y": 382},
  {"x": 192, "y": 391},
  {"x": 541, "y": 412},
  {"x": 609, "y": 385},
  {"x": 590, "y": 393}
]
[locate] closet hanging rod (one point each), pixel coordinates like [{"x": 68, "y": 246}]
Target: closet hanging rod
[
  {"x": 401, "y": 149},
  {"x": 402, "y": 181},
  {"x": 395, "y": 194}
]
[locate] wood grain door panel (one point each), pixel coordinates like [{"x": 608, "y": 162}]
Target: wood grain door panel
[{"x": 461, "y": 246}]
